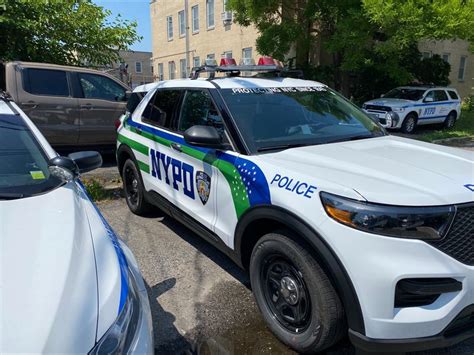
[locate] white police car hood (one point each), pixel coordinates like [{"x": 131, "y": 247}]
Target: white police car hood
[
  {"x": 49, "y": 279},
  {"x": 390, "y": 102},
  {"x": 389, "y": 170}
]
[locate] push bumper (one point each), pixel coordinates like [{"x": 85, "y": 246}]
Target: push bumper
[{"x": 460, "y": 329}]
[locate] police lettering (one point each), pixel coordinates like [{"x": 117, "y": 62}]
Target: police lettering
[
  {"x": 173, "y": 172},
  {"x": 470, "y": 187},
  {"x": 297, "y": 187}
]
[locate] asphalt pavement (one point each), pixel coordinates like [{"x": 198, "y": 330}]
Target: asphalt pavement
[{"x": 200, "y": 300}]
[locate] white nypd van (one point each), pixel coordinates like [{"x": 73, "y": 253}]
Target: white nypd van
[
  {"x": 342, "y": 227},
  {"x": 406, "y": 107},
  {"x": 68, "y": 285}
]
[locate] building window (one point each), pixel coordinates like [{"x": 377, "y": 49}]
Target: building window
[
  {"x": 138, "y": 67},
  {"x": 227, "y": 54},
  {"x": 426, "y": 55},
  {"x": 224, "y": 8},
  {"x": 196, "y": 62},
  {"x": 210, "y": 13},
  {"x": 462, "y": 68},
  {"x": 195, "y": 18},
  {"x": 161, "y": 73},
  {"x": 446, "y": 57},
  {"x": 181, "y": 23},
  {"x": 182, "y": 68},
  {"x": 172, "y": 70},
  {"x": 247, "y": 56},
  {"x": 169, "y": 26}
]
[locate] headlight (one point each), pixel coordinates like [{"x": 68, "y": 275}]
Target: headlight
[
  {"x": 119, "y": 337},
  {"x": 398, "y": 109},
  {"x": 426, "y": 223},
  {"x": 364, "y": 106},
  {"x": 391, "y": 119}
]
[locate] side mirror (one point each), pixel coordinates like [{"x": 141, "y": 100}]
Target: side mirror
[
  {"x": 86, "y": 161},
  {"x": 383, "y": 95},
  {"x": 428, "y": 99},
  {"x": 204, "y": 136}
]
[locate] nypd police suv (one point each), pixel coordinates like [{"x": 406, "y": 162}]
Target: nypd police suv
[
  {"x": 409, "y": 106},
  {"x": 287, "y": 177},
  {"x": 68, "y": 284}
]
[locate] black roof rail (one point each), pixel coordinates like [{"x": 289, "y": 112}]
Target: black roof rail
[{"x": 235, "y": 70}]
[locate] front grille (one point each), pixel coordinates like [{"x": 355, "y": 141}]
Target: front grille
[
  {"x": 378, "y": 108},
  {"x": 462, "y": 323},
  {"x": 459, "y": 242}
]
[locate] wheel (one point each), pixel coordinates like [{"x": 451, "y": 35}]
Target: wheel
[
  {"x": 133, "y": 188},
  {"x": 409, "y": 123},
  {"x": 450, "y": 121},
  {"x": 295, "y": 296}
]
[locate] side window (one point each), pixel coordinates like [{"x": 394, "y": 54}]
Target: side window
[
  {"x": 100, "y": 87},
  {"x": 440, "y": 95},
  {"x": 134, "y": 100},
  {"x": 45, "y": 82},
  {"x": 453, "y": 95},
  {"x": 159, "y": 110},
  {"x": 198, "y": 109},
  {"x": 430, "y": 95}
]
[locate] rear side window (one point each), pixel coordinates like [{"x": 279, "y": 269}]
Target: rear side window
[
  {"x": 440, "y": 95},
  {"x": 453, "y": 95},
  {"x": 45, "y": 82},
  {"x": 134, "y": 100},
  {"x": 100, "y": 87},
  {"x": 160, "y": 109}
]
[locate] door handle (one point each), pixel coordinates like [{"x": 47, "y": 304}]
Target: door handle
[
  {"x": 87, "y": 106},
  {"x": 176, "y": 147},
  {"x": 30, "y": 104}
]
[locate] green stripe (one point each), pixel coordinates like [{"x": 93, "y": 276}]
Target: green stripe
[
  {"x": 133, "y": 144},
  {"x": 143, "y": 166}
]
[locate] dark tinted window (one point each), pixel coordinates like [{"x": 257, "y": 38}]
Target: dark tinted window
[
  {"x": 405, "y": 94},
  {"x": 23, "y": 164},
  {"x": 453, "y": 95},
  {"x": 276, "y": 118},
  {"x": 198, "y": 109},
  {"x": 100, "y": 87},
  {"x": 134, "y": 100},
  {"x": 440, "y": 95},
  {"x": 45, "y": 82},
  {"x": 159, "y": 110}
]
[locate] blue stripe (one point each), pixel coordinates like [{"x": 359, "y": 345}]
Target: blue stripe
[
  {"x": 432, "y": 117},
  {"x": 118, "y": 250},
  {"x": 252, "y": 176},
  {"x": 432, "y": 104}
]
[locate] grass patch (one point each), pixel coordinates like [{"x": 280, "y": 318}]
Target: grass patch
[
  {"x": 96, "y": 189},
  {"x": 464, "y": 128}
]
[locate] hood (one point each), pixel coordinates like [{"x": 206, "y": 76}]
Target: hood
[
  {"x": 389, "y": 102},
  {"x": 388, "y": 170},
  {"x": 49, "y": 284}
]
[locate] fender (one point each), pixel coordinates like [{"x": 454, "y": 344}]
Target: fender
[
  {"x": 123, "y": 148},
  {"x": 325, "y": 255}
]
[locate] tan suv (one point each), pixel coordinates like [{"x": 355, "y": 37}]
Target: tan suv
[{"x": 71, "y": 106}]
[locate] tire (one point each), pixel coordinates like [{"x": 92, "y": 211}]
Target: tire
[
  {"x": 409, "y": 123},
  {"x": 133, "y": 189},
  {"x": 285, "y": 278},
  {"x": 450, "y": 121}
]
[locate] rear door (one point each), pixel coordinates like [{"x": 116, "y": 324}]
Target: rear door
[
  {"x": 45, "y": 96},
  {"x": 443, "y": 105},
  {"x": 101, "y": 100}
]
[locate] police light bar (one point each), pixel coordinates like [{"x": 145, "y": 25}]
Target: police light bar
[{"x": 227, "y": 61}]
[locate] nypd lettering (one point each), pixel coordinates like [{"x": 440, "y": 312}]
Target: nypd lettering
[
  {"x": 470, "y": 187},
  {"x": 294, "y": 186},
  {"x": 173, "y": 172}
]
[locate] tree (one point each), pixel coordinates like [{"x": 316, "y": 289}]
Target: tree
[
  {"x": 371, "y": 44},
  {"x": 70, "y": 32}
]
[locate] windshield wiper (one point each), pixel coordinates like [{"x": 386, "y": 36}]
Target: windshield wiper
[
  {"x": 353, "y": 138},
  {"x": 10, "y": 196},
  {"x": 280, "y": 147}
]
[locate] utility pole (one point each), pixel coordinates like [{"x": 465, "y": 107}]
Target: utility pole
[{"x": 186, "y": 16}]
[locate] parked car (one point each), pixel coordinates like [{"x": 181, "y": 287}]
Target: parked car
[
  {"x": 407, "y": 107},
  {"x": 71, "y": 106},
  {"x": 69, "y": 285},
  {"x": 344, "y": 229}
]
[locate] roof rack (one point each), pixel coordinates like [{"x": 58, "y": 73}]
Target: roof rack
[{"x": 233, "y": 70}]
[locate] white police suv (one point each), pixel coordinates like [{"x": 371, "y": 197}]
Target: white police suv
[
  {"x": 68, "y": 285},
  {"x": 406, "y": 107},
  {"x": 342, "y": 227}
]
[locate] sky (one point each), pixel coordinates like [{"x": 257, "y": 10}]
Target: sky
[{"x": 133, "y": 10}]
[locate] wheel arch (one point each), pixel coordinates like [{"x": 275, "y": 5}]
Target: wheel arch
[
  {"x": 258, "y": 221},
  {"x": 124, "y": 152}
]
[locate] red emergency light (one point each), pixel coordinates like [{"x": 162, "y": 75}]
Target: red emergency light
[{"x": 227, "y": 61}]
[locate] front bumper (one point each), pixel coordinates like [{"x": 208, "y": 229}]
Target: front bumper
[
  {"x": 375, "y": 264},
  {"x": 392, "y": 122}
]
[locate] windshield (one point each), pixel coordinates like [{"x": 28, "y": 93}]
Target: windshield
[
  {"x": 279, "y": 118},
  {"x": 405, "y": 94},
  {"x": 23, "y": 164}
]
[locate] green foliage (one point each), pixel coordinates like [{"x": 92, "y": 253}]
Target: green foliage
[
  {"x": 96, "y": 190},
  {"x": 463, "y": 130},
  {"x": 433, "y": 70},
  {"x": 62, "y": 32}
]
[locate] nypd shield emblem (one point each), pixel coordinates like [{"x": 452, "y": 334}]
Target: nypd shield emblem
[{"x": 203, "y": 186}]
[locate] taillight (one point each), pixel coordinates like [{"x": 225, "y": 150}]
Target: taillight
[{"x": 117, "y": 123}]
